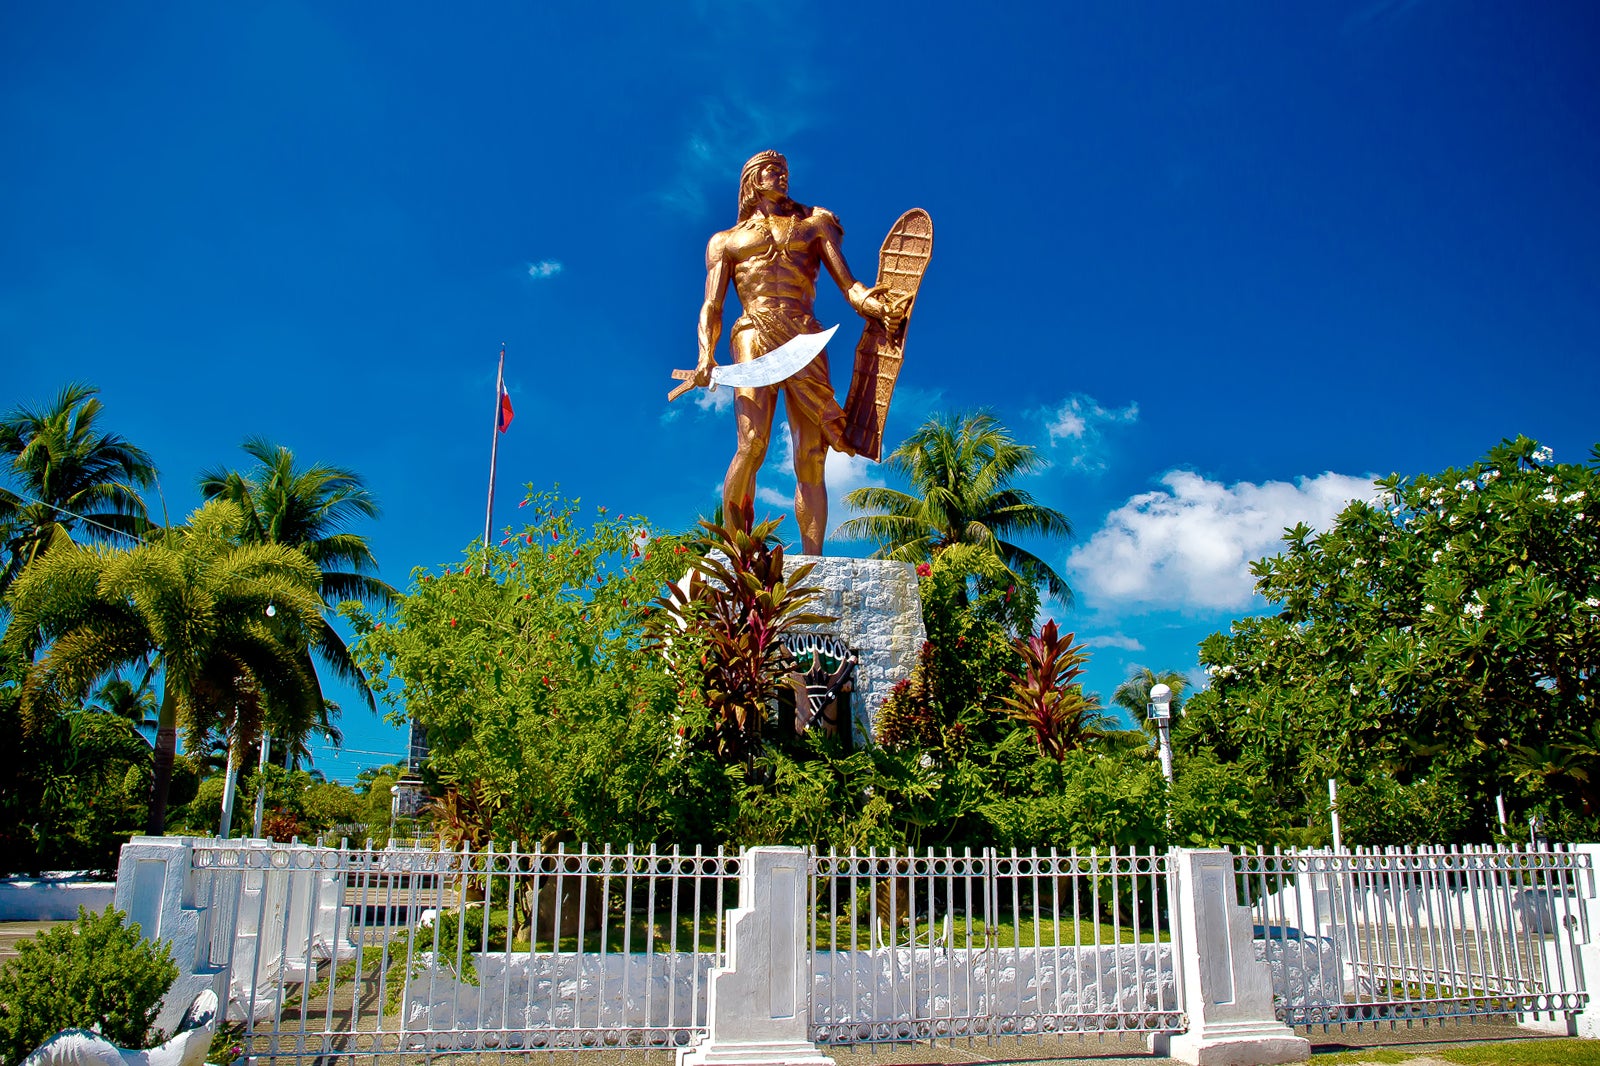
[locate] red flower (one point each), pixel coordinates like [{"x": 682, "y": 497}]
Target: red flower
[
  {"x": 452, "y": 623},
  {"x": 924, "y": 569}
]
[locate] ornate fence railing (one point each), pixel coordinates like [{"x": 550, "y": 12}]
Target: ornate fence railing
[
  {"x": 1402, "y": 934},
  {"x": 330, "y": 952},
  {"x": 925, "y": 946},
  {"x": 400, "y": 951}
]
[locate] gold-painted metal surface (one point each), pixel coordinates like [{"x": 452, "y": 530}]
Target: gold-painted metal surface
[{"x": 772, "y": 257}]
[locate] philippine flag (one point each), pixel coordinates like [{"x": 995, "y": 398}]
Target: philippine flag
[{"x": 503, "y": 423}]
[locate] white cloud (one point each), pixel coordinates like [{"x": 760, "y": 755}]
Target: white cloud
[
  {"x": 1190, "y": 544},
  {"x": 1114, "y": 640},
  {"x": 716, "y": 401},
  {"x": 1075, "y": 429},
  {"x": 544, "y": 268}
]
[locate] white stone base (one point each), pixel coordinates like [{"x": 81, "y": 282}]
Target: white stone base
[
  {"x": 878, "y": 605},
  {"x": 1245, "y": 1044},
  {"x": 752, "y": 1053}
]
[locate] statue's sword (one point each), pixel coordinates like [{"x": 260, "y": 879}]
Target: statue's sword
[{"x": 784, "y": 361}]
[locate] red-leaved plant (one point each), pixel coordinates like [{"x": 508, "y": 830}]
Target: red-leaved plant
[
  {"x": 1046, "y": 696},
  {"x": 736, "y": 606}
]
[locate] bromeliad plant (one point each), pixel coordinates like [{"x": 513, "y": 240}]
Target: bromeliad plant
[
  {"x": 1046, "y": 696},
  {"x": 730, "y": 616}
]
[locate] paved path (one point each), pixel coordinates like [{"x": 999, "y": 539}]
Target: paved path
[{"x": 11, "y": 932}]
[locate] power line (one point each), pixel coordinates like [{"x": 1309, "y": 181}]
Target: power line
[{"x": 73, "y": 514}]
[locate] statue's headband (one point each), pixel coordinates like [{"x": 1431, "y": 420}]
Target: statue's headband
[{"x": 761, "y": 159}]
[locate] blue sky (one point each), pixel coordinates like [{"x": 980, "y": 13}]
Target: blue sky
[{"x": 1220, "y": 262}]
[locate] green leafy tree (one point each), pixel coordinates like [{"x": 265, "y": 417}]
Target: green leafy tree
[
  {"x": 94, "y": 973},
  {"x": 310, "y": 509},
  {"x": 194, "y": 597},
  {"x": 68, "y": 478},
  {"x": 1442, "y": 633},
  {"x": 961, "y": 472},
  {"x": 545, "y": 713}
]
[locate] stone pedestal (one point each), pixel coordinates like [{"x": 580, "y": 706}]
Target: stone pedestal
[
  {"x": 879, "y": 611},
  {"x": 757, "y": 1006},
  {"x": 155, "y": 888},
  {"x": 1226, "y": 991}
]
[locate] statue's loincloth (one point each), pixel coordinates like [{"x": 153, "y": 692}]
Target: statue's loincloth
[{"x": 808, "y": 392}]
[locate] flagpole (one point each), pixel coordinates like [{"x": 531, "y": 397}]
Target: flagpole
[{"x": 494, "y": 454}]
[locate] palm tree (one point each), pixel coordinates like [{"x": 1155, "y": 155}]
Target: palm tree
[
  {"x": 228, "y": 621},
  {"x": 134, "y": 700},
  {"x": 68, "y": 479},
  {"x": 1133, "y": 695},
  {"x": 960, "y": 470},
  {"x": 307, "y": 509}
]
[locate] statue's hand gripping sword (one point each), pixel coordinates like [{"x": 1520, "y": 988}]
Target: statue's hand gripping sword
[{"x": 784, "y": 361}]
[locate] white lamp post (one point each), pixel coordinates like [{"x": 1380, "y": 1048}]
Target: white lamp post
[{"x": 1161, "y": 714}]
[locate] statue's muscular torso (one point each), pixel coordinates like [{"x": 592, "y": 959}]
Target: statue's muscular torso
[{"x": 775, "y": 259}]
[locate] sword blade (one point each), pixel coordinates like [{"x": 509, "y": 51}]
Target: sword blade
[{"x": 784, "y": 361}]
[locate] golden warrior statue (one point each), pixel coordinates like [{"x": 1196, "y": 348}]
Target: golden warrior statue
[{"x": 773, "y": 255}]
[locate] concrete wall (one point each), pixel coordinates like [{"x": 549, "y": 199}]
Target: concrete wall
[{"x": 52, "y": 900}]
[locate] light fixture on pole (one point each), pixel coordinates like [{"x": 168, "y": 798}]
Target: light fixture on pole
[{"x": 1161, "y": 715}]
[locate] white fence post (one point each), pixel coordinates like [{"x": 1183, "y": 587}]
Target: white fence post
[
  {"x": 758, "y": 1005},
  {"x": 1587, "y": 1022},
  {"x": 1227, "y": 993},
  {"x": 155, "y": 887}
]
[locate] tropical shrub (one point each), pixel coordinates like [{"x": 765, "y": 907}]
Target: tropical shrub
[
  {"x": 95, "y": 973},
  {"x": 1046, "y": 696},
  {"x": 734, "y": 610}
]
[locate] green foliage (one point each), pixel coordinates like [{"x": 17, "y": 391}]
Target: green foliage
[
  {"x": 735, "y": 610},
  {"x": 65, "y": 469},
  {"x": 960, "y": 470},
  {"x": 94, "y": 973},
  {"x": 1085, "y": 800},
  {"x": 1046, "y": 697},
  {"x": 1217, "y": 805},
  {"x": 1444, "y": 634},
  {"x": 198, "y": 599},
  {"x": 73, "y": 787},
  {"x": 1381, "y": 811},
  {"x": 308, "y": 508},
  {"x": 545, "y": 713},
  {"x": 971, "y": 611}
]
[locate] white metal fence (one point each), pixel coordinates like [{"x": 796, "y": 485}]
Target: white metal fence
[
  {"x": 929, "y": 946},
  {"x": 329, "y": 952},
  {"x": 386, "y": 952},
  {"x": 1403, "y": 934}
]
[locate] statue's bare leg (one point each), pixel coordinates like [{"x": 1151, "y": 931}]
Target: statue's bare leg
[
  {"x": 810, "y": 492},
  {"x": 753, "y": 410}
]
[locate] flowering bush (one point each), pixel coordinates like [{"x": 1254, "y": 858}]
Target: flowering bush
[{"x": 1444, "y": 635}]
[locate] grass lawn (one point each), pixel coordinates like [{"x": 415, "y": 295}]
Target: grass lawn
[{"x": 1569, "y": 1052}]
